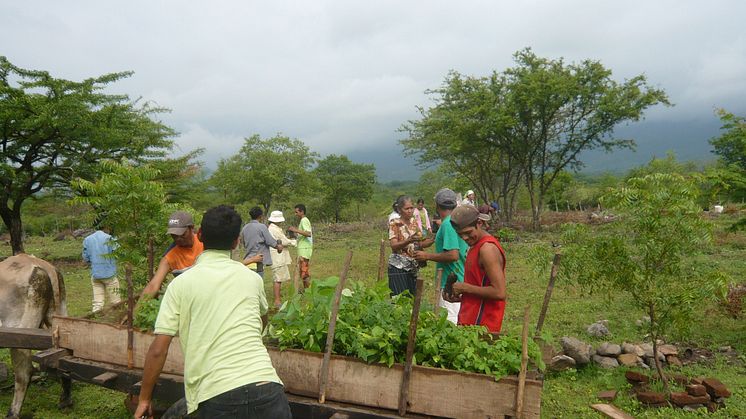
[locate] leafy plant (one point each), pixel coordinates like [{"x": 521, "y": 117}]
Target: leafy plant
[
  {"x": 374, "y": 327},
  {"x": 650, "y": 258},
  {"x": 146, "y": 313}
]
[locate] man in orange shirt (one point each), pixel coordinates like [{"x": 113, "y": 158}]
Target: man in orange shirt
[{"x": 182, "y": 253}]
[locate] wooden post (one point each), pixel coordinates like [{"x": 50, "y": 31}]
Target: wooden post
[
  {"x": 130, "y": 309},
  {"x": 382, "y": 260},
  {"x": 524, "y": 365},
  {"x": 296, "y": 274},
  {"x": 438, "y": 279},
  {"x": 324, "y": 374},
  {"x": 404, "y": 390},
  {"x": 151, "y": 258},
  {"x": 548, "y": 294}
]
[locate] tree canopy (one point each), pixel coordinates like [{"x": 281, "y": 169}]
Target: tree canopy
[
  {"x": 53, "y": 130},
  {"x": 265, "y": 170},
  {"x": 529, "y": 122},
  {"x": 343, "y": 182}
]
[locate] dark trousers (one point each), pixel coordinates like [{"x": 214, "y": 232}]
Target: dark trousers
[
  {"x": 401, "y": 280},
  {"x": 248, "y": 402}
]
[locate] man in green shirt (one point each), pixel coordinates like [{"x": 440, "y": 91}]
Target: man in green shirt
[
  {"x": 450, "y": 249},
  {"x": 305, "y": 243},
  {"x": 218, "y": 309}
]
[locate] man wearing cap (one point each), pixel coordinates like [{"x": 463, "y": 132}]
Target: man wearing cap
[
  {"x": 256, "y": 240},
  {"x": 218, "y": 309},
  {"x": 181, "y": 255},
  {"x": 483, "y": 292},
  {"x": 280, "y": 260},
  {"x": 450, "y": 249}
]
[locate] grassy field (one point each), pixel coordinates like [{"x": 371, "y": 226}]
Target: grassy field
[{"x": 566, "y": 395}]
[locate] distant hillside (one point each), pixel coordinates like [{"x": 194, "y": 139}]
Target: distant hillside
[{"x": 688, "y": 139}]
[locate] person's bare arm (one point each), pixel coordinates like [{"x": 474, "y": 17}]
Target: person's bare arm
[
  {"x": 154, "y": 285},
  {"x": 154, "y": 361},
  {"x": 397, "y": 245},
  {"x": 253, "y": 259},
  {"x": 442, "y": 257},
  {"x": 491, "y": 260}
]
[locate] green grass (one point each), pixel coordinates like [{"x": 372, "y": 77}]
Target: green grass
[{"x": 566, "y": 395}]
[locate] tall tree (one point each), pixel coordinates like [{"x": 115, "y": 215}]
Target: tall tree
[
  {"x": 52, "y": 130},
  {"x": 467, "y": 134},
  {"x": 344, "y": 182},
  {"x": 730, "y": 146},
  {"x": 265, "y": 170},
  {"x": 561, "y": 110}
]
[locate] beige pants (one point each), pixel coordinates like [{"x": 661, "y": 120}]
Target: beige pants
[{"x": 101, "y": 287}]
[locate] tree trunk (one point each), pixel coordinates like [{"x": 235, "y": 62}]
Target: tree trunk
[
  {"x": 12, "y": 220},
  {"x": 654, "y": 337}
]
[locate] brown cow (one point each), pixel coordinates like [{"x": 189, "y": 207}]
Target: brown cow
[{"x": 31, "y": 291}]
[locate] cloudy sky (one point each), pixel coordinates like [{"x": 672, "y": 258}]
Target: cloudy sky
[{"x": 344, "y": 75}]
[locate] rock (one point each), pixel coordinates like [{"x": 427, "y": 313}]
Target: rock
[
  {"x": 697, "y": 380},
  {"x": 609, "y": 349},
  {"x": 598, "y": 330},
  {"x": 60, "y": 237},
  {"x": 679, "y": 379},
  {"x": 634, "y": 377},
  {"x": 692, "y": 408},
  {"x": 629, "y": 360},
  {"x": 668, "y": 350},
  {"x": 576, "y": 349},
  {"x": 725, "y": 348},
  {"x": 683, "y": 399},
  {"x": 712, "y": 407},
  {"x": 674, "y": 360},
  {"x": 651, "y": 397},
  {"x": 82, "y": 232},
  {"x": 696, "y": 390},
  {"x": 715, "y": 388},
  {"x": 645, "y": 320},
  {"x": 561, "y": 363},
  {"x": 648, "y": 351},
  {"x": 605, "y": 361},
  {"x": 629, "y": 348},
  {"x": 608, "y": 396}
]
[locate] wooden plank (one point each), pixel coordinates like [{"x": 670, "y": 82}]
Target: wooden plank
[
  {"x": 105, "y": 377},
  {"x": 324, "y": 375},
  {"x": 433, "y": 391},
  {"x": 524, "y": 364},
  {"x": 404, "y": 388},
  {"x": 611, "y": 411},
  {"x": 25, "y": 338},
  {"x": 105, "y": 342},
  {"x": 50, "y": 357},
  {"x": 350, "y": 380}
]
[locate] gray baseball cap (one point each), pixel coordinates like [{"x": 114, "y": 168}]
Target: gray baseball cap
[
  {"x": 178, "y": 222},
  {"x": 446, "y": 198},
  {"x": 466, "y": 215}
]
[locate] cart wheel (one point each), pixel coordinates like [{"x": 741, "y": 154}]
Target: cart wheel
[{"x": 177, "y": 410}]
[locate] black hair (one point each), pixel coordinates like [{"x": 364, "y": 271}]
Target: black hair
[
  {"x": 301, "y": 207},
  {"x": 255, "y": 213},
  {"x": 220, "y": 227},
  {"x": 399, "y": 203},
  {"x": 420, "y": 201}
]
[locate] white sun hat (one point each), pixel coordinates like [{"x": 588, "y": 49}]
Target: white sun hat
[{"x": 276, "y": 217}]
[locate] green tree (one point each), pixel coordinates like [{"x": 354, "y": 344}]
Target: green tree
[
  {"x": 730, "y": 146},
  {"x": 265, "y": 170},
  {"x": 133, "y": 203},
  {"x": 53, "y": 130},
  {"x": 652, "y": 256},
  {"x": 343, "y": 182},
  {"x": 466, "y": 134},
  {"x": 561, "y": 110}
]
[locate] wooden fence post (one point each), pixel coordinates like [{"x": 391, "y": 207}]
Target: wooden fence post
[
  {"x": 524, "y": 365},
  {"x": 324, "y": 374},
  {"x": 548, "y": 294},
  {"x": 404, "y": 390},
  {"x": 382, "y": 260},
  {"x": 130, "y": 310}
]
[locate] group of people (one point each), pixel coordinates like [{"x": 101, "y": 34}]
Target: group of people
[
  {"x": 218, "y": 308},
  {"x": 464, "y": 252}
]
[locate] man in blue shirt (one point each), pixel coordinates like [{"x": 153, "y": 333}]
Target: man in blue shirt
[{"x": 97, "y": 250}]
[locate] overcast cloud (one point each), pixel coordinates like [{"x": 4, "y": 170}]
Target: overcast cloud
[{"x": 344, "y": 75}]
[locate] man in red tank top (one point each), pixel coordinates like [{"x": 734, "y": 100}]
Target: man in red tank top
[{"x": 483, "y": 292}]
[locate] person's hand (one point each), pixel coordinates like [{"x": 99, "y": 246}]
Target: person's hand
[
  {"x": 144, "y": 410},
  {"x": 421, "y": 256},
  {"x": 450, "y": 298},
  {"x": 458, "y": 289},
  {"x": 279, "y": 248},
  {"x": 293, "y": 229}
]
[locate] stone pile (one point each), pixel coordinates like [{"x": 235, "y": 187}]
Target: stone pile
[
  {"x": 699, "y": 392},
  {"x": 611, "y": 355}
]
